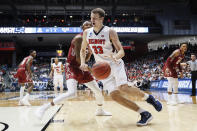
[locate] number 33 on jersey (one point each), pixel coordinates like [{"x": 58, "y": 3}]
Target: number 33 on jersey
[{"x": 99, "y": 42}]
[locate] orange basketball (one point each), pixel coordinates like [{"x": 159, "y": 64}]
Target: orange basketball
[{"x": 101, "y": 70}]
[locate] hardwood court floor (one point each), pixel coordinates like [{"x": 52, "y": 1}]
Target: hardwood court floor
[{"x": 78, "y": 114}]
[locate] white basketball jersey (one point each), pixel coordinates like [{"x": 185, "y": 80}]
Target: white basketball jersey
[
  {"x": 57, "y": 69},
  {"x": 100, "y": 43}
]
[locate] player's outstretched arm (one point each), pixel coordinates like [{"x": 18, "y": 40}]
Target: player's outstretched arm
[
  {"x": 89, "y": 54},
  {"x": 77, "y": 42},
  {"x": 83, "y": 48},
  {"x": 30, "y": 60},
  {"x": 171, "y": 57},
  {"x": 116, "y": 42},
  {"x": 84, "y": 45}
]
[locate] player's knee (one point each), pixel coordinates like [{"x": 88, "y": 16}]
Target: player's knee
[{"x": 115, "y": 95}]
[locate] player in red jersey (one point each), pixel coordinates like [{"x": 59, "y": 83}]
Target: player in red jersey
[
  {"x": 171, "y": 69},
  {"x": 75, "y": 75},
  {"x": 24, "y": 76}
]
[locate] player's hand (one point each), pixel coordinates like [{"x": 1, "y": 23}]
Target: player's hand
[
  {"x": 84, "y": 67},
  {"x": 112, "y": 57},
  {"x": 181, "y": 75},
  {"x": 167, "y": 72}
]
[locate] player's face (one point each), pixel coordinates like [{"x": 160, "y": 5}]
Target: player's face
[
  {"x": 96, "y": 19},
  {"x": 33, "y": 54},
  {"x": 184, "y": 47},
  {"x": 56, "y": 60},
  {"x": 87, "y": 25},
  {"x": 193, "y": 57}
]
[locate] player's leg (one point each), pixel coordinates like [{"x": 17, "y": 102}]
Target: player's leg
[
  {"x": 136, "y": 92},
  {"x": 121, "y": 83},
  {"x": 175, "y": 91},
  {"x": 117, "y": 95},
  {"x": 27, "y": 78},
  {"x": 93, "y": 85},
  {"x": 55, "y": 85},
  {"x": 71, "y": 93},
  {"x": 25, "y": 100},
  {"x": 21, "y": 80},
  {"x": 61, "y": 85},
  {"x": 110, "y": 85},
  {"x": 169, "y": 89},
  {"x": 22, "y": 88},
  {"x": 146, "y": 117}
]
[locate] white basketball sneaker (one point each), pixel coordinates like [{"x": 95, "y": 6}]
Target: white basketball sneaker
[{"x": 101, "y": 112}]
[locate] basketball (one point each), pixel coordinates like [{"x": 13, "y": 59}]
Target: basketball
[{"x": 101, "y": 70}]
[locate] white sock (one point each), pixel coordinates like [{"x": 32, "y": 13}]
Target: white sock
[
  {"x": 99, "y": 107},
  {"x": 145, "y": 96},
  {"x": 141, "y": 110},
  {"x": 27, "y": 96},
  {"x": 22, "y": 92}
]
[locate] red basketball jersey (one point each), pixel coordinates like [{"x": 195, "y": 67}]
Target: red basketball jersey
[
  {"x": 24, "y": 62},
  {"x": 72, "y": 67},
  {"x": 71, "y": 59},
  {"x": 176, "y": 60}
]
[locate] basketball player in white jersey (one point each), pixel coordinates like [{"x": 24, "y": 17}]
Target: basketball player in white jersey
[
  {"x": 100, "y": 39},
  {"x": 75, "y": 75},
  {"x": 56, "y": 71}
]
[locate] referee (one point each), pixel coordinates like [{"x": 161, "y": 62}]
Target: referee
[{"x": 193, "y": 65}]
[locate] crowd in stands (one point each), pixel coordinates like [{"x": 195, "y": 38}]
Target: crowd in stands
[{"x": 150, "y": 66}]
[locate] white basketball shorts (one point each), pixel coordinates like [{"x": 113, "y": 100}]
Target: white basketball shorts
[{"x": 58, "y": 80}]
